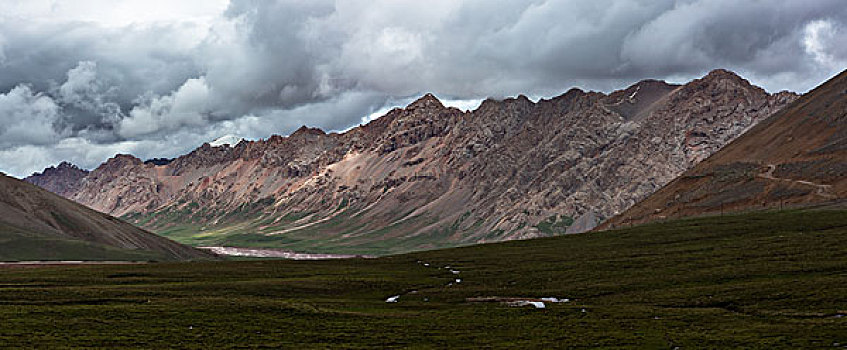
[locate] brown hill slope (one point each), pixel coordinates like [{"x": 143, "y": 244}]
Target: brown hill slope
[
  {"x": 38, "y": 225},
  {"x": 796, "y": 157},
  {"x": 428, "y": 176}
]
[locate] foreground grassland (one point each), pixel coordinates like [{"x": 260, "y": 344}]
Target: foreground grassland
[{"x": 764, "y": 280}]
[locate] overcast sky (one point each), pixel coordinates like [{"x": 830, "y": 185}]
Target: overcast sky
[{"x": 82, "y": 80}]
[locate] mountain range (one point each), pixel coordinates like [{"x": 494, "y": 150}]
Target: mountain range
[
  {"x": 429, "y": 176},
  {"x": 797, "y": 157}
]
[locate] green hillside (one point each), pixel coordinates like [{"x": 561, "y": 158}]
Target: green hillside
[
  {"x": 760, "y": 280},
  {"x": 341, "y": 234},
  {"x": 21, "y": 245}
]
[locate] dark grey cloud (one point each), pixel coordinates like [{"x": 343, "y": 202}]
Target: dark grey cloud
[
  {"x": 135, "y": 59},
  {"x": 83, "y": 90}
]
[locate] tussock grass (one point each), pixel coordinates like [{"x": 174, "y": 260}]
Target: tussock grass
[{"x": 758, "y": 280}]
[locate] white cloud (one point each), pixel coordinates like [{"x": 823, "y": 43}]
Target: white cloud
[
  {"x": 2, "y": 51},
  {"x": 767, "y": 42},
  {"x": 27, "y": 118},
  {"x": 134, "y": 75},
  {"x": 820, "y": 38},
  {"x": 83, "y": 90},
  {"x": 110, "y": 13},
  {"x": 186, "y": 107},
  {"x": 24, "y": 160},
  {"x": 464, "y": 105},
  {"x": 81, "y": 83}
]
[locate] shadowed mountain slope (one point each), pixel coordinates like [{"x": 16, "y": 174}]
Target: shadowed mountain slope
[{"x": 38, "y": 225}]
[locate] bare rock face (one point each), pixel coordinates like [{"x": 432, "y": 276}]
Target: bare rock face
[
  {"x": 123, "y": 183},
  {"x": 429, "y": 176},
  {"x": 63, "y": 179},
  {"x": 796, "y": 157}
]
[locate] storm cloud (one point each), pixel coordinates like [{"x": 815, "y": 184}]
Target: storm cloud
[{"x": 83, "y": 80}]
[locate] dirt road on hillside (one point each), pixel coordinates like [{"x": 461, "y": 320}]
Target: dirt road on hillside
[{"x": 820, "y": 189}]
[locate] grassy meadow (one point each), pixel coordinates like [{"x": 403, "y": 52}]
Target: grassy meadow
[{"x": 756, "y": 280}]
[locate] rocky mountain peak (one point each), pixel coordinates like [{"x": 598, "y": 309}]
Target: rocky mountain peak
[
  {"x": 428, "y": 101},
  {"x": 570, "y": 95},
  {"x": 726, "y": 76},
  {"x": 203, "y": 156},
  {"x": 126, "y": 158},
  {"x": 61, "y": 179},
  {"x": 119, "y": 161},
  {"x": 307, "y": 131},
  {"x": 122, "y": 160},
  {"x": 721, "y": 88},
  {"x": 68, "y": 166},
  {"x": 520, "y": 101},
  {"x": 722, "y": 73}
]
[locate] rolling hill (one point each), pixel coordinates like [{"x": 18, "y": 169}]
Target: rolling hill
[{"x": 39, "y": 225}]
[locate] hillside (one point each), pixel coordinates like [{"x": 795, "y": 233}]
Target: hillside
[
  {"x": 429, "y": 176},
  {"x": 770, "y": 280},
  {"x": 38, "y": 225},
  {"x": 797, "y": 157}
]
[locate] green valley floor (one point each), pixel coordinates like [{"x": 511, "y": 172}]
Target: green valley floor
[{"x": 758, "y": 280}]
